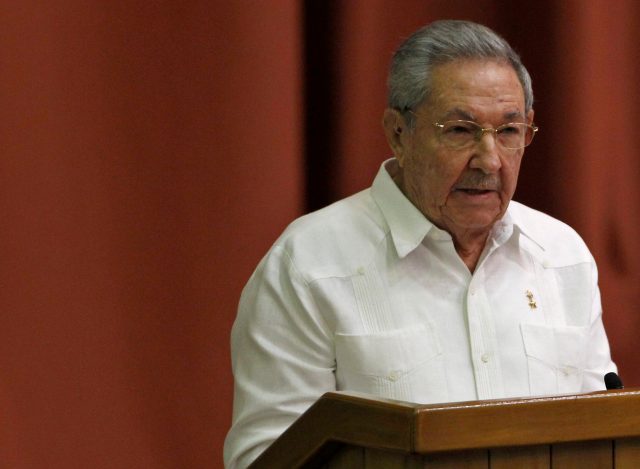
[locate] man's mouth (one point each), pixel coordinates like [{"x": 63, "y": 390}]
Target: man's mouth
[{"x": 474, "y": 191}]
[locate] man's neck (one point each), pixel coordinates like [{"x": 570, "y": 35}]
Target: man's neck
[{"x": 469, "y": 246}]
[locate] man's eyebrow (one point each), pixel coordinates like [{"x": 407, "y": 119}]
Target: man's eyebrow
[
  {"x": 458, "y": 113},
  {"x": 510, "y": 116}
]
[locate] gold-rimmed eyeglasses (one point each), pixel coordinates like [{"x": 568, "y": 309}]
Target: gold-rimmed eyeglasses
[{"x": 459, "y": 134}]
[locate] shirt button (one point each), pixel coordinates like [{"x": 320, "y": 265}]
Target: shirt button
[
  {"x": 394, "y": 375},
  {"x": 472, "y": 291},
  {"x": 545, "y": 264},
  {"x": 485, "y": 357},
  {"x": 361, "y": 270}
]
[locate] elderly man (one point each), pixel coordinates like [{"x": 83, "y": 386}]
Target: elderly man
[{"x": 432, "y": 285}]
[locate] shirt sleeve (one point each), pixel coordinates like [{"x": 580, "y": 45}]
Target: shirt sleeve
[
  {"x": 598, "y": 361},
  {"x": 282, "y": 357}
]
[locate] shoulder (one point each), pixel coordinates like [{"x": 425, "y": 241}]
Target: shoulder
[{"x": 335, "y": 240}]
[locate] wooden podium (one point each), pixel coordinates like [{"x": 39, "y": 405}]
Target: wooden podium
[{"x": 596, "y": 430}]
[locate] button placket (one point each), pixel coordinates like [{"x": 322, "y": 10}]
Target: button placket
[{"x": 483, "y": 341}]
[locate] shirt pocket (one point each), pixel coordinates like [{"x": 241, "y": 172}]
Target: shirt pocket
[
  {"x": 556, "y": 357},
  {"x": 404, "y": 364}
]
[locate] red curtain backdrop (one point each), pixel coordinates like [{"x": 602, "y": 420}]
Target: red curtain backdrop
[{"x": 153, "y": 151}]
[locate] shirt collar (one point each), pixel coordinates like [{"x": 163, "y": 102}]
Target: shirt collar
[
  {"x": 407, "y": 225},
  {"x": 517, "y": 218}
]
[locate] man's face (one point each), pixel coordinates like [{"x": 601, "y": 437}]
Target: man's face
[{"x": 463, "y": 190}]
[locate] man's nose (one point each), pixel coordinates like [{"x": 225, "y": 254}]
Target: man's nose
[{"x": 486, "y": 157}]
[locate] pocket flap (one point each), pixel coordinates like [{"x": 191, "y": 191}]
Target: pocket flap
[
  {"x": 560, "y": 346},
  {"x": 391, "y": 353}
]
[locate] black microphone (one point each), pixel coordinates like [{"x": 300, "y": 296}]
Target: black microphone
[{"x": 613, "y": 381}]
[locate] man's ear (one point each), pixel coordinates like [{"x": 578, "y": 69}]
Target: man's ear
[{"x": 396, "y": 130}]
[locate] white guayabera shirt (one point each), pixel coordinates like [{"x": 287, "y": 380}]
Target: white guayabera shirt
[{"x": 368, "y": 295}]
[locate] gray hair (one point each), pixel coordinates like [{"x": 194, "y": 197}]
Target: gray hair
[{"x": 441, "y": 42}]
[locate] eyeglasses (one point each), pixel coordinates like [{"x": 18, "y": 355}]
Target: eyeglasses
[{"x": 461, "y": 134}]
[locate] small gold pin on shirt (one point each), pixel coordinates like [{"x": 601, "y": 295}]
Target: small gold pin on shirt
[{"x": 532, "y": 302}]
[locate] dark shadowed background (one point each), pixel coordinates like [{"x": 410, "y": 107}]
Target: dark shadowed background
[{"x": 153, "y": 151}]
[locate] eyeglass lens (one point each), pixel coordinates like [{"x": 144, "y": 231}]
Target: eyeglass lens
[{"x": 458, "y": 134}]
